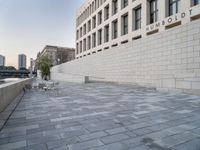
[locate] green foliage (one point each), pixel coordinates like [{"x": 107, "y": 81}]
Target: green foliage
[{"x": 44, "y": 65}]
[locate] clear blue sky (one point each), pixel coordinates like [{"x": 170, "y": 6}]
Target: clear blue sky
[{"x": 26, "y": 26}]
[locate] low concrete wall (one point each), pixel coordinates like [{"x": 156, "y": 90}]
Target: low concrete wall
[
  {"x": 68, "y": 77},
  {"x": 9, "y": 91}
]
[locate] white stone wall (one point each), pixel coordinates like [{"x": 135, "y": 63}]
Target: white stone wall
[
  {"x": 168, "y": 60},
  {"x": 187, "y": 10}
]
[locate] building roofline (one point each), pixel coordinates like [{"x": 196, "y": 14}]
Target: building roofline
[{"x": 57, "y": 47}]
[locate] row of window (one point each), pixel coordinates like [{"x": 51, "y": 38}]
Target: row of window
[
  {"x": 90, "y": 41},
  {"x": 96, "y": 4},
  {"x": 174, "y": 7},
  {"x": 124, "y": 30},
  {"x": 90, "y": 9}
]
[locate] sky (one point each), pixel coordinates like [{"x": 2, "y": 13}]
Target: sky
[{"x": 26, "y": 26}]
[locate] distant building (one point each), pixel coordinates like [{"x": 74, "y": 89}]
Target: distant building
[
  {"x": 57, "y": 54},
  {"x": 2, "y": 60},
  {"x": 21, "y": 61}
]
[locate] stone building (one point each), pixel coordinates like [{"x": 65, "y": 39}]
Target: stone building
[
  {"x": 152, "y": 43},
  {"x": 102, "y": 24},
  {"x": 58, "y": 55}
]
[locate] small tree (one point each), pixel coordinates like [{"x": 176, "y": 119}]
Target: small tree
[{"x": 44, "y": 65}]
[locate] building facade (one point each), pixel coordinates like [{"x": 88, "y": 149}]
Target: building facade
[
  {"x": 57, "y": 54},
  {"x": 2, "y": 60},
  {"x": 103, "y": 24},
  {"x": 21, "y": 61}
]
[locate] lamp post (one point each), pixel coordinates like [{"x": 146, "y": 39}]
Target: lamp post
[{"x": 31, "y": 67}]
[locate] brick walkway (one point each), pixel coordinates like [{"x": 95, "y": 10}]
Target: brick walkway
[{"x": 102, "y": 116}]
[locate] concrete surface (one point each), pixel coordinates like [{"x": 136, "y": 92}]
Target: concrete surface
[{"x": 103, "y": 116}]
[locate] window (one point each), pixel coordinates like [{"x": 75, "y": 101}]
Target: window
[
  {"x": 80, "y": 46},
  {"x": 89, "y": 42},
  {"x": 92, "y": 7},
  {"x": 114, "y": 29},
  {"x": 77, "y": 47},
  {"x": 106, "y": 33},
  {"x": 94, "y": 22},
  {"x": 95, "y": 4},
  {"x": 84, "y": 29},
  {"x": 137, "y": 18},
  {"x": 106, "y": 12},
  {"x": 114, "y": 6},
  {"x": 99, "y": 17},
  {"x": 153, "y": 11},
  {"x": 77, "y": 34},
  {"x": 89, "y": 26},
  {"x": 174, "y": 6},
  {"x": 125, "y": 24},
  {"x": 94, "y": 40},
  {"x": 124, "y": 3},
  {"x": 196, "y": 2},
  {"x": 100, "y": 37},
  {"x": 84, "y": 45},
  {"x": 81, "y": 32}
]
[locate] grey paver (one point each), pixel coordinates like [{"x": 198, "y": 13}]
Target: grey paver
[
  {"x": 85, "y": 145},
  {"x": 114, "y": 138},
  {"x": 116, "y": 130},
  {"x": 190, "y": 145},
  {"x": 93, "y": 135},
  {"x": 113, "y": 146},
  {"x": 11, "y": 146},
  {"x": 103, "y": 116}
]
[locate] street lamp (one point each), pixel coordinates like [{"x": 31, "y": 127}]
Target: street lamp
[{"x": 31, "y": 67}]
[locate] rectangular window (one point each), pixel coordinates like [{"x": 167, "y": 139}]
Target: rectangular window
[
  {"x": 125, "y": 24},
  {"x": 124, "y": 3},
  {"x": 77, "y": 47},
  {"x": 114, "y": 6},
  {"x": 95, "y": 4},
  {"x": 106, "y": 12},
  {"x": 92, "y": 7},
  {"x": 84, "y": 29},
  {"x": 89, "y": 42},
  {"x": 100, "y": 37},
  {"x": 89, "y": 26},
  {"x": 114, "y": 29},
  {"x": 106, "y": 33},
  {"x": 81, "y": 47},
  {"x": 196, "y": 2},
  {"x": 94, "y": 22},
  {"x": 174, "y": 6},
  {"x": 137, "y": 18},
  {"x": 77, "y": 34},
  {"x": 99, "y": 17},
  {"x": 81, "y": 32},
  {"x": 94, "y": 40},
  {"x": 153, "y": 11},
  {"x": 84, "y": 45}
]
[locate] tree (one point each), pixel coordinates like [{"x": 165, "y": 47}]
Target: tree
[{"x": 44, "y": 65}]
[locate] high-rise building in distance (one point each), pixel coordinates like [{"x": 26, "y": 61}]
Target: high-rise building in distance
[
  {"x": 21, "y": 61},
  {"x": 2, "y": 60}
]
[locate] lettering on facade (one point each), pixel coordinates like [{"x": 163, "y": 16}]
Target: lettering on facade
[{"x": 168, "y": 20}]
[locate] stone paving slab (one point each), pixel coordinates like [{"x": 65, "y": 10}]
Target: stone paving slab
[{"x": 103, "y": 116}]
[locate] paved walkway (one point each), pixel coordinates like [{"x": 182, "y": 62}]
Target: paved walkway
[{"x": 103, "y": 117}]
